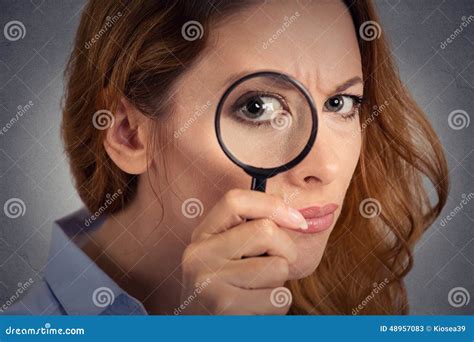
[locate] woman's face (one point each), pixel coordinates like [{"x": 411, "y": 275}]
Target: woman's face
[{"x": 317, "y": 45}]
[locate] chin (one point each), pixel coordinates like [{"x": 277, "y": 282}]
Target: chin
[
  {"x": 301, "y": 269},
  {"x": 310, "y": 252}
]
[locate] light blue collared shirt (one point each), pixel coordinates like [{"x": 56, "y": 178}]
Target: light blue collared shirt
[{"x": 72, "y": 283}]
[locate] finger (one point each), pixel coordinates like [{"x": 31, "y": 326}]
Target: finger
[
  {"x": 255, "y": 273},
  {"x": 238, "y": 205},
  {"x": 253, "y": 238}
]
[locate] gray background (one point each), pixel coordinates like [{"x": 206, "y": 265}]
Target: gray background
[{"x": 33, "y": 166}]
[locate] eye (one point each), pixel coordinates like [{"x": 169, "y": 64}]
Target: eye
[
  {"x": 345, "y": 105},
  {"x": 258, "y": 108}
]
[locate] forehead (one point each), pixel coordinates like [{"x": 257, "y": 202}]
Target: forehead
[{"x": 312, "y": 41}]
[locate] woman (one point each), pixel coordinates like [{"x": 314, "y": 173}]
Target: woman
[{"x": 167, "y": 229}]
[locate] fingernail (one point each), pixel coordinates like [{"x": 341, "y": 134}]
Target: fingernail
[{"x": 297, "y": 218}]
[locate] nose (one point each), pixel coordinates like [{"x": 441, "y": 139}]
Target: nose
[{"x": 320, "y": 167}]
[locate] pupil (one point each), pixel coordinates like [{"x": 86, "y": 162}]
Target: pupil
[
  {"x": 254, "y": 108},
  {"x": 336, "y": 102}
]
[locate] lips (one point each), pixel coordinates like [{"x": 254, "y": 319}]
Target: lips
[{"x": 318, "y": 218}]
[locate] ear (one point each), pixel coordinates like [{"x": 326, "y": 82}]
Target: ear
[{"x": 126, "y": 140}]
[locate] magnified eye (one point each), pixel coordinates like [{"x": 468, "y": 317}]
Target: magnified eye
[
  {"x": 346, "y": 105},
  {"x": 258, "y": 108}
]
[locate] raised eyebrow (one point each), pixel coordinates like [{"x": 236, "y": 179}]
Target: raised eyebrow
[
  {"x": 340, "y": 88},
  {"x": 347, "y": 84},
  {"x": 277, "y": 80}
]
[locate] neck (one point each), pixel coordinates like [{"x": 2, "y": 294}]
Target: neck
[{"x": 140, "y": 250}]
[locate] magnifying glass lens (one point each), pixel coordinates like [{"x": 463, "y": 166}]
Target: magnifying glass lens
[{"x": 265, "y": 121}]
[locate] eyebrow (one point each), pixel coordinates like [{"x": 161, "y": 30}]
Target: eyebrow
[
  {"x": 340, "y": 88},
  {"x": 347, "y": 84},
  {"x": 278, "y": 80}
]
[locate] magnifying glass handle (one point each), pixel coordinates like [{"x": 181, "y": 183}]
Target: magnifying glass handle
[{"x": 259, "y": 183}]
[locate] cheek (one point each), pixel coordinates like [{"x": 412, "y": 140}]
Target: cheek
[
  {"x": 349, "y": 158},
  {"x": 198, "y": 168},
  {"x": 348, "y": 153},
  {"x": 219, "y": 172}
]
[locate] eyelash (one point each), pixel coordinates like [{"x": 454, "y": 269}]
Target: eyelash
[
  {"x": 248, "y": 95},
  {"x": 347, "y": 117},
  {"x": 358, "y": 102}
]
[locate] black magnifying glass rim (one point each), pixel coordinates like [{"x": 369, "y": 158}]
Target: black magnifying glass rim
[{"x": 268, "y": 172}]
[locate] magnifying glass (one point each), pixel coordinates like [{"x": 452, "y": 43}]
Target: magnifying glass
[{"x": 266, "y": 123}]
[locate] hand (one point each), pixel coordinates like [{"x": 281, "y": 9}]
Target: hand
[{"x": 223, "y": 270}]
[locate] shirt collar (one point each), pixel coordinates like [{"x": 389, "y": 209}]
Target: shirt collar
[{"x": 79, "y": 285}]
